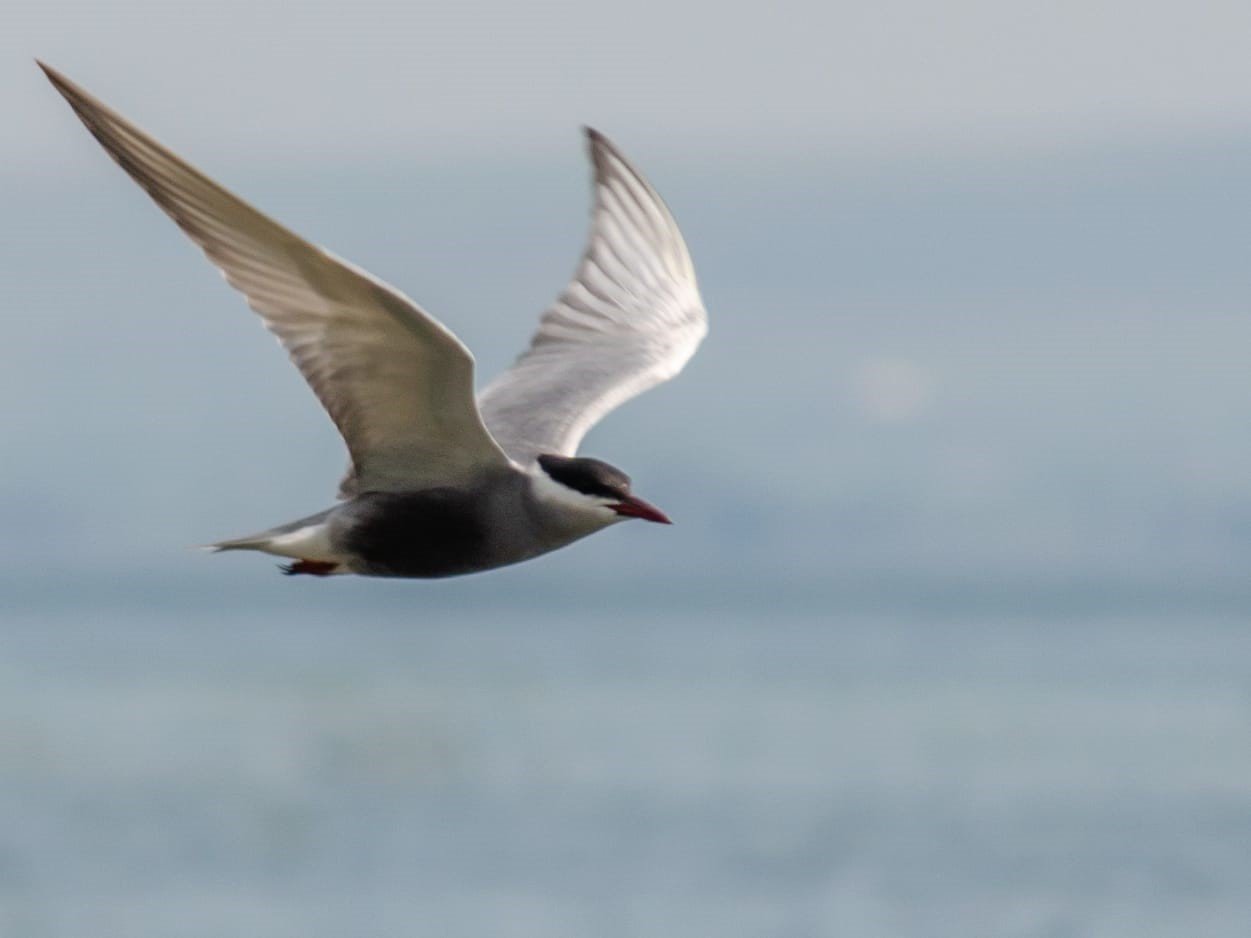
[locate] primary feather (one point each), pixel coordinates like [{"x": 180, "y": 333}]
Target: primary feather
[
  {"x": 630, "y": 319},
  {"x": 396, "y": 382}
]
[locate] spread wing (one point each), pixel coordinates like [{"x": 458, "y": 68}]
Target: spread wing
[
  {"x": 630, "y": 319},
  {"x": 397, "y": 383}
]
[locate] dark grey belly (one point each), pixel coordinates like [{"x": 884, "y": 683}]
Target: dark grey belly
[{"x": 435, "y": 533}]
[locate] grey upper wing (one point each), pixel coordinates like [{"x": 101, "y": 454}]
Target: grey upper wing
[
  {"x": 630, "y": 319},
  {"x": 398, "y": 384}
]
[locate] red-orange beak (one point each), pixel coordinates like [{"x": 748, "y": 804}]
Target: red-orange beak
[{"x": 634, "y": 507}]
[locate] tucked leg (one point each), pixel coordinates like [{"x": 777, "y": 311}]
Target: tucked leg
[{"x": 311, "y": 567}]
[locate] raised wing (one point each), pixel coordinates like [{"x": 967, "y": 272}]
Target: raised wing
[
  {"x": 397, "y": 384},
  {"x": 630, "y": 319}
]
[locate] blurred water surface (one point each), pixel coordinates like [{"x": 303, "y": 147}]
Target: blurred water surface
[{"x": 327, "y": 770}]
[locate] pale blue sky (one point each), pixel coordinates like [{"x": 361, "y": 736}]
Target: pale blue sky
[
  {"x": 978, "y": 280},
  {"x": 265, "y": 80}
]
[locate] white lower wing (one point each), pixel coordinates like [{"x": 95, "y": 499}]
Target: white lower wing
[
  {"x": 398, "y": 384},
  {"x": 630, "y": 319}
]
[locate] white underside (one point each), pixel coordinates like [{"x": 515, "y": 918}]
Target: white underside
[{"x": 309, "y": 543}]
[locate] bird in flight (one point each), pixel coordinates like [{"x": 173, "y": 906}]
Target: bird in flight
[{"x": 441, "y": 482}]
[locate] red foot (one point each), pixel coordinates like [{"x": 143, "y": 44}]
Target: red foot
[{"x": 313, "y": 567}]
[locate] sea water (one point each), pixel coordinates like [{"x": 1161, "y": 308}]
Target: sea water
[{"x": 596, "y": 771}]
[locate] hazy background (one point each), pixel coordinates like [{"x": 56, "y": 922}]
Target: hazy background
[{"x": 950, "y": 637}]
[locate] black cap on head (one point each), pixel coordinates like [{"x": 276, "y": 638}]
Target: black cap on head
[{"x": 588, "y": 476}]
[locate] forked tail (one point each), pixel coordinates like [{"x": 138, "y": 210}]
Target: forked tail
[{"x": 306, "y": 541}]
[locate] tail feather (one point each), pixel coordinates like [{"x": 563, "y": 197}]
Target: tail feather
[
  {"x": 306, "y": 539},
  {"x": 242, "y": 543}
]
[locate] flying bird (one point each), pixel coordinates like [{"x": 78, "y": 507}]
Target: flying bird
[{"x": 441, "y": 482}]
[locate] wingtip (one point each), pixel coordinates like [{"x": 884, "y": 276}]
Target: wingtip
[
  {"x": 53, "y": 75},
  {"x": 598, "y": 146},
  {"x": 594, "y": 139},
  {"x": 62, "y": 84}
]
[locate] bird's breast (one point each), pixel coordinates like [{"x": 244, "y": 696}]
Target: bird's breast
[{"x": 433, "y": 533}]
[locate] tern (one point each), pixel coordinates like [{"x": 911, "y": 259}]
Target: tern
[{"x": 441, "y": 482}]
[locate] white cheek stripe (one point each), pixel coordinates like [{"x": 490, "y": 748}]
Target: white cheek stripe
[{"x": 552, "y": 492}]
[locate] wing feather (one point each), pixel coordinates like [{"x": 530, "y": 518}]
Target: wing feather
[
  {"x": 396, "y": 382},
  {"x": 630, "y": 319}
]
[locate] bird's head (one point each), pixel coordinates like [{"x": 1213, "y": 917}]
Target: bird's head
[{"x": 597, "y": 486}]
